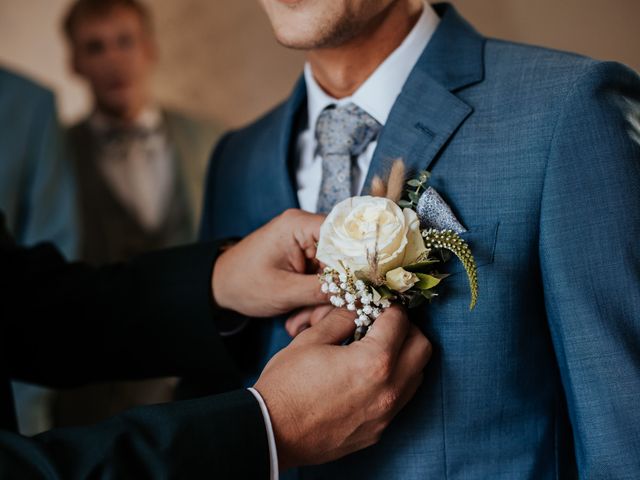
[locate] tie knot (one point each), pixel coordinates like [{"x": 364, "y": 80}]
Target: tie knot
[{"x": 345, "y": 130}]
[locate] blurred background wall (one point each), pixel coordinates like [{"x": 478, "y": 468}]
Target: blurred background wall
[{"x": 219, "y": 60}]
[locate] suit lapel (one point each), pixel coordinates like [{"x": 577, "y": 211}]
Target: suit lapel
[
  {"x": 275, "y": 172},
  {"x": 428, "y": 112}
]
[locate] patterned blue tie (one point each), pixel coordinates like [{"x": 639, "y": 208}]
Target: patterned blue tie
[{"x": 342, "y": 133}]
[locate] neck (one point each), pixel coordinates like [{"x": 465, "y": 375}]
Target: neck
[
  {"x": 124, "y": 117},
  {"x": 341, "y": 70}
]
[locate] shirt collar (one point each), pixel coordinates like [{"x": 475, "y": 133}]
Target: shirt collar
[
  {"x": 149, "y": 119},
  {"x": 378, "y": 93}
]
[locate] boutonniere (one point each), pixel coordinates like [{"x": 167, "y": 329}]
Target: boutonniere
[{"x": 388, "y": 246}]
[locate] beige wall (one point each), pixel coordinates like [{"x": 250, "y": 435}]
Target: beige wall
[{"x": 219, "y": 59}]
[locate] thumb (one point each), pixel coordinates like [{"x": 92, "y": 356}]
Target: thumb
[
  {"x": 301, "y": 290},
  {"x": 308, "y": 232},
  {"x": 334, "y": 329}
]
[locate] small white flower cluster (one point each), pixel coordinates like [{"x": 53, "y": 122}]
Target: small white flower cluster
[{"x": 356, "y": 296}]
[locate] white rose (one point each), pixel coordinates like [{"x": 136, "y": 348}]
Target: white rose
[
  {"x": 359, "y": 226},
  {"x": 401, "y": 280}
]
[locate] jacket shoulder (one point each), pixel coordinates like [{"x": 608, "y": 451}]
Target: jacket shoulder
[
  {"x": 531, "y": 78},
  {"x": 192, "y": 125},
  {"x": 255, "y": 135},
  {"x": 23, "y": 101},
  {"x": 20, "y": 85},
  {"x": 535, "y": 63}
]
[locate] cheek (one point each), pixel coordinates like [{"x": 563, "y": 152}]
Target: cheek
[
  {"x": 140, "y": 66},
  {"x": 98, "y": 76},
  {"x": 100, "y": 71}
]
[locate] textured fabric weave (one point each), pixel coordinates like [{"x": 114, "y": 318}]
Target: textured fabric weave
[{"x": 343, "y": 133}]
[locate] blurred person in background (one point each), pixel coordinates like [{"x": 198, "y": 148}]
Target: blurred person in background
[
  {"x": 139, "y": 167},
  {"x": 37, "y": 196}
]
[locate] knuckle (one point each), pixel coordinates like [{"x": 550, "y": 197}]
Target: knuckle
[
  {"x": 428, "y": 349},
  {"x": 397, "y": 313},
  {"x": 305, "y": 336},
  {"x": 362, "y": 367},
  {"x": 382, "y": 366},
  {"x": 277, "y": 303},
  {"x": 382, "y": 425},
  {"x": 374, "y": 433},
  {"x": 342, "y": 314},
  {"x": 388, "y": 400},
  {"x": 377, "y": 436},
  {"x": 289, "y": 214},
  {"x": 371, "y": 440}
]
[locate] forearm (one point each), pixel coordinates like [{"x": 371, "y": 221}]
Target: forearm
[{"x": 73, "y": 323}]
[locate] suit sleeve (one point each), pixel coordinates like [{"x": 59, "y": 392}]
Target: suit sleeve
[
  {"x": 49, "y": 198},
  {"x": 221, "y": 437},
  {"x": 68, "y": 324},
  {"x": 590, "y": 259},
  {"x": 229, "y": 323}
]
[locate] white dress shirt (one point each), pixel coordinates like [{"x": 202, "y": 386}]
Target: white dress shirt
[
  {"x": 375, "y": 96},
  {"x": 140, "y": 170},
  {"x": 271, "y": 439}
]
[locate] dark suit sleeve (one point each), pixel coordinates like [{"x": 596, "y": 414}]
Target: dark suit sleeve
[
  {"x": 590, "y": 257},
  {"x": 220, "y": 437},
  {"x": 229, "y": 323},
  {"x": 67, "y": 324}
]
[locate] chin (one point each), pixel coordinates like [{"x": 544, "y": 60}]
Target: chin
[
  {"x": 116, "y": 107},
  {"x": 297, "y": 40},
  {"x": 302, "y": 24},
  {"x": 305, "y": 37}
]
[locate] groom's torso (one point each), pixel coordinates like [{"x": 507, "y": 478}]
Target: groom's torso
[{"x": 491, "y": 405}]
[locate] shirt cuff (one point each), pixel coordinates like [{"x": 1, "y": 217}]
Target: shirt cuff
[
  {"x": 273, "y": 453},
  {"x": 228, "y": 331}
]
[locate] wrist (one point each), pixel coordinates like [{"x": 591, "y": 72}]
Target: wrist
[
  {"x": 279, "y": 417},
  {"x": 218, "y": 292},
  {"x": 273, "y": 451},
  {"x": 220, "y": 277}
]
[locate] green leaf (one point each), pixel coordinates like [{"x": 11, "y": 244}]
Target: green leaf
[
  {"x": 405, "y": 204},
  {"x": 415, "y": 301},
  {"x": 419, "y": 266},
  {"x": 440, "y": 276},
  {"x": 428, "y": 294},
  {"x": 427, "y": 281},
  {"x": 414, "y": 183},
  {"x": 376, "y": 295},
  {"x": 413, "y": 196},
  {"x": 384, "y": 291}
]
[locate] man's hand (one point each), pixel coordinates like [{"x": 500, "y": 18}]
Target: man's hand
[
  {"x": 326, "y": 400},
  {"x": 305, "y": 318},
  {"x": 264, "y": 274}
]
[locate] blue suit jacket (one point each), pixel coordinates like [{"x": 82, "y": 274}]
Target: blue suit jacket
[
  {"x": 37, "y": 190},
  {"x": 536, "y": 152}
]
